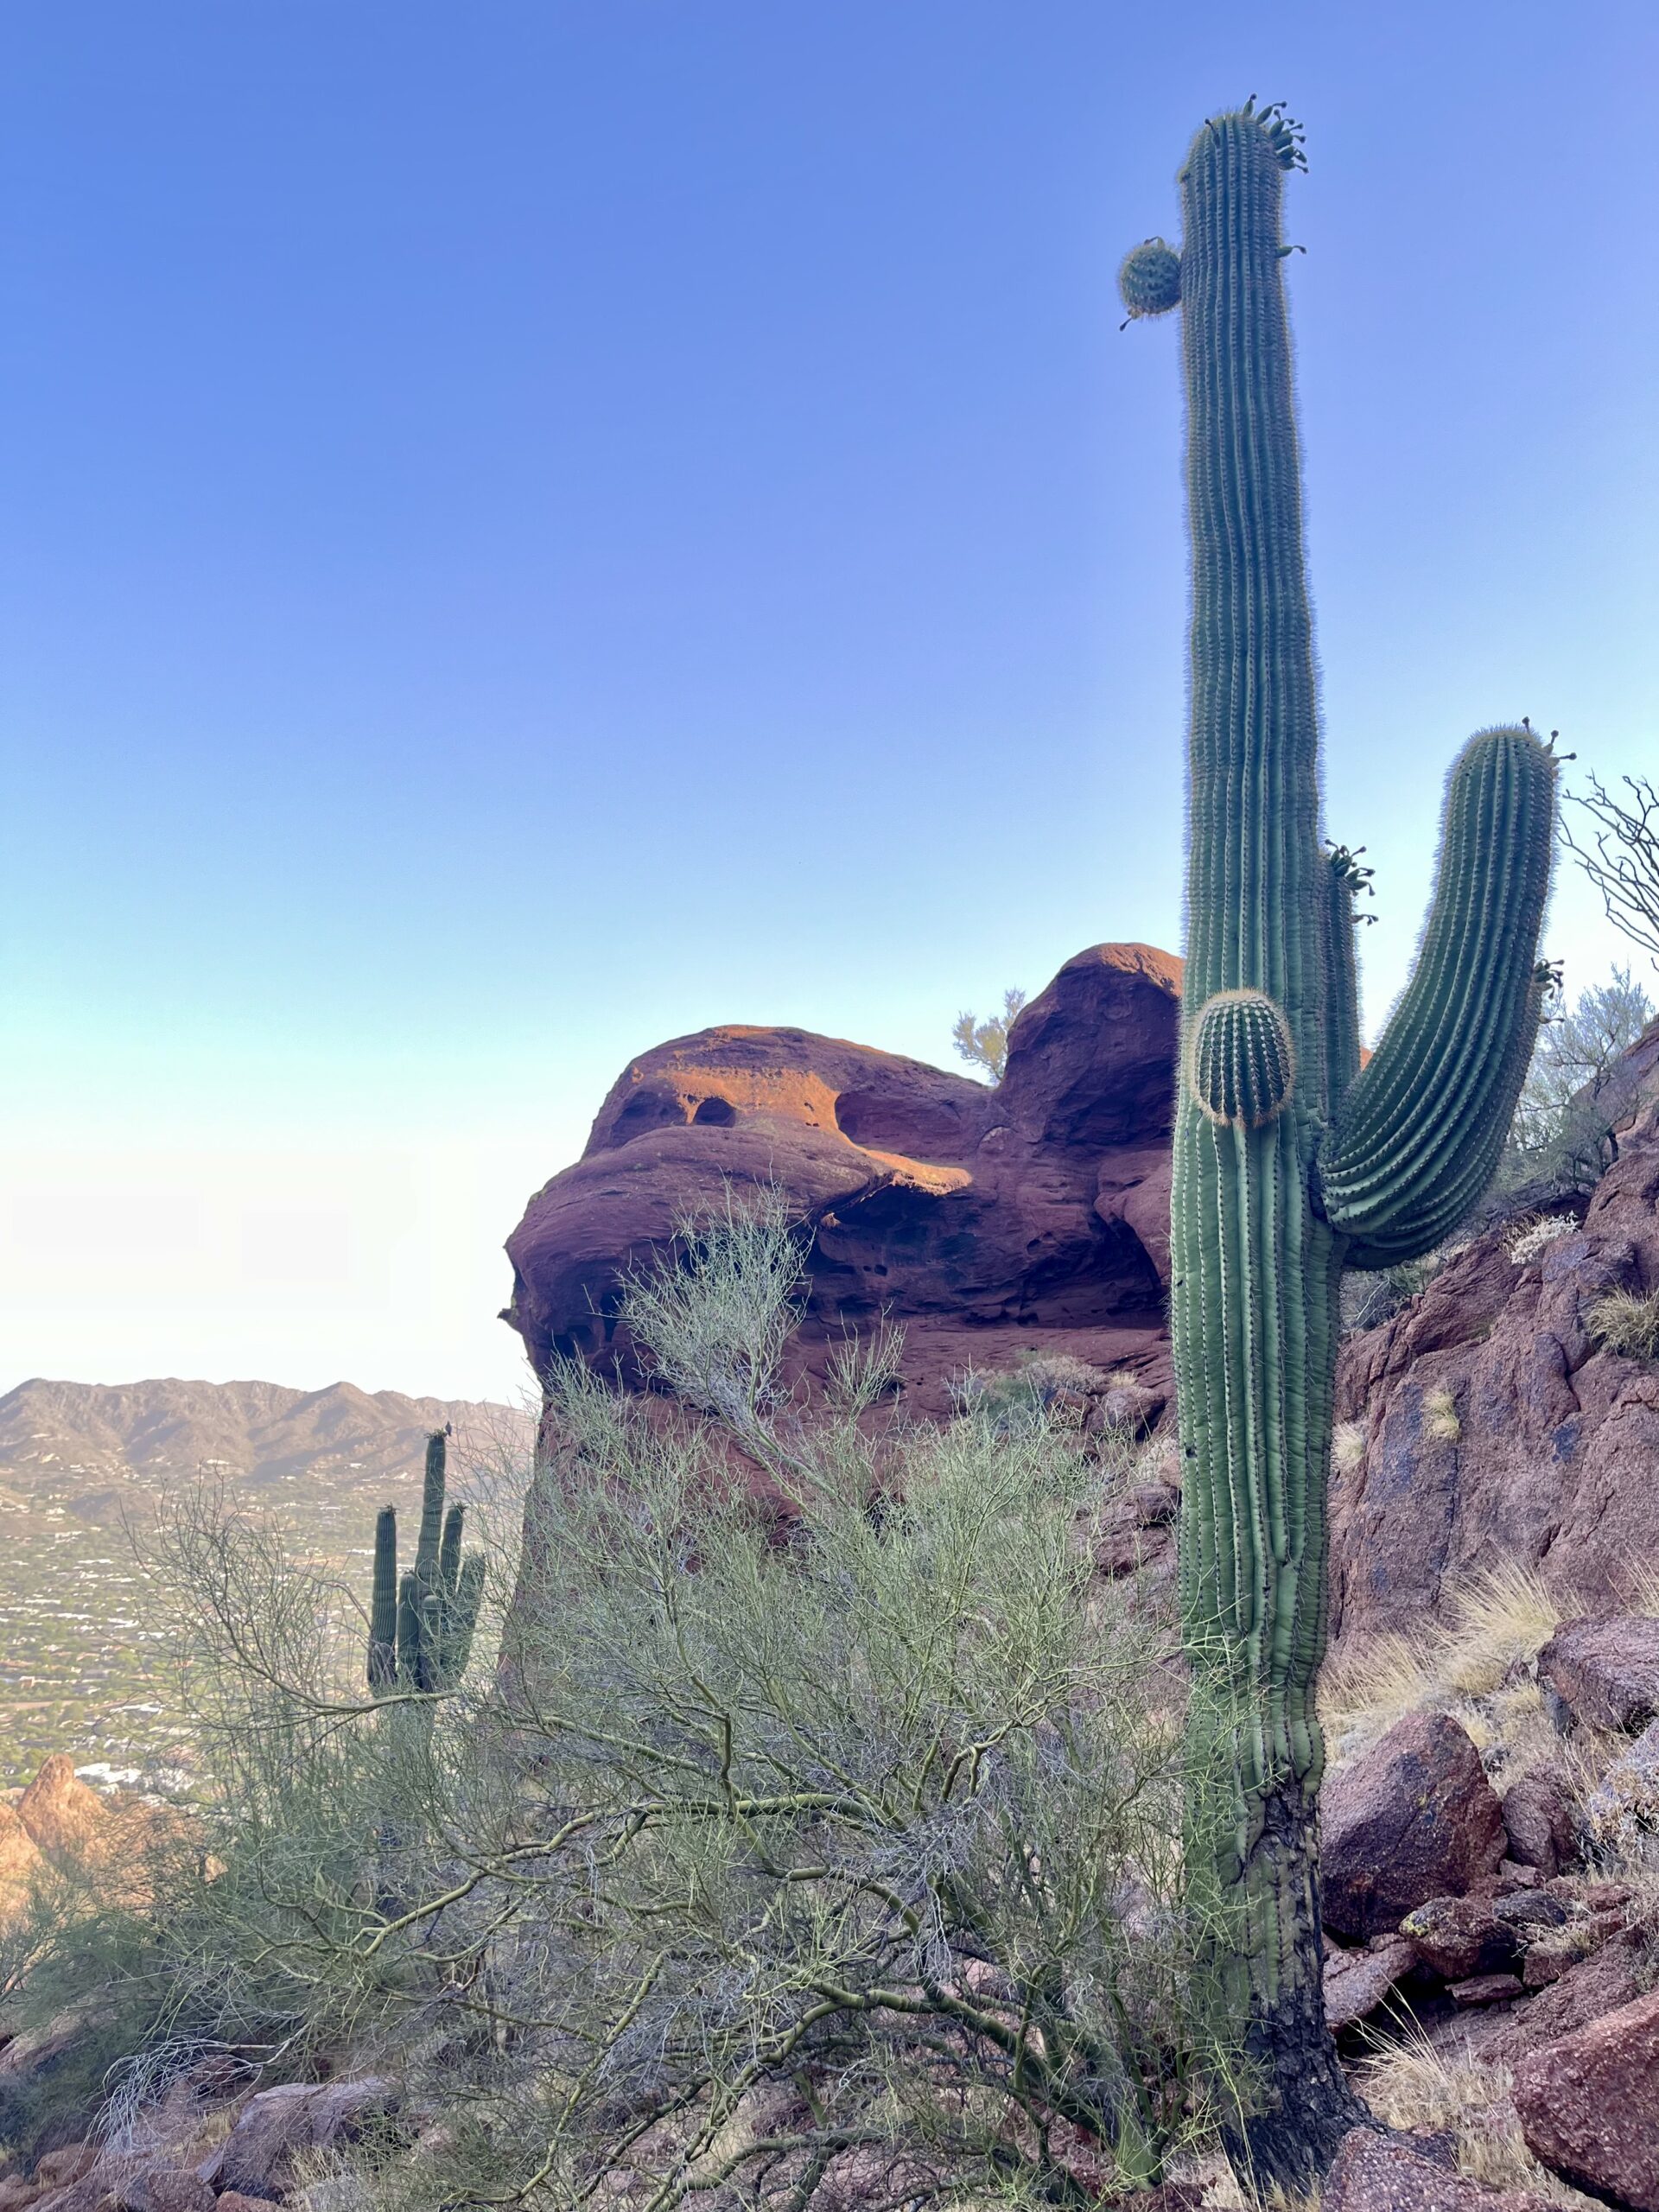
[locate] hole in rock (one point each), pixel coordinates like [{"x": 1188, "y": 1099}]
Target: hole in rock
[
  {"x": 715, "y": 1113},
  {"x": 650, "y": 1108}
]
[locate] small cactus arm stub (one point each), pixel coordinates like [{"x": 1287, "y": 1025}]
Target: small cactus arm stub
[
  {"x": 420, "y": 1628},
  {"x": 1290, "y": 1162}
]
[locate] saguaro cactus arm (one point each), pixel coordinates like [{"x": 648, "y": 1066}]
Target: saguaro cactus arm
[
  {"x": 1416, "y": 1139},
  {"x": 430, "y": 1540},
  {"x": 1346, "y": 882},
  {"x": 382, "y": 1604}
]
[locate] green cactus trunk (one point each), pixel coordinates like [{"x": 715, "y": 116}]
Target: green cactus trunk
[
  {"x": 382, "y": 1603},
  {"x": 1287, "y": 1165}
]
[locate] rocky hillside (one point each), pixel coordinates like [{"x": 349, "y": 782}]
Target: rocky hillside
[
  {"x": 1494, "y": 1417},
  {"x": 1485, "y": 1421},
  {"x": 82, "y": 1464}
]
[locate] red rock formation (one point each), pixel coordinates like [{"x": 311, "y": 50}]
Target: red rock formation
[
  {"x": 1414, "y": 1818},
  {"x": 984, "y": 1221},
  {"x": 1384, "y": 2173},
  {"x": 59, "y": 1812},
  {"x": 1556, "y": 1438},
  {"x": 1589, "y": 2106}
]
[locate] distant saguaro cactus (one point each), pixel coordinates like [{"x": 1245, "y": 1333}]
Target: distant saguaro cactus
[
  {"x": 421, "y": 1629},
  {"x": 1290, "y": 1161}
]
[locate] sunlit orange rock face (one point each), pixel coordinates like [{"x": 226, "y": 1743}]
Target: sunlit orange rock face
[
  {"x": 57, "y": 1825},
  {"x": 985, "y": 1222}
]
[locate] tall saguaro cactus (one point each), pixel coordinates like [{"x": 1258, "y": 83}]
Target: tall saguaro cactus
[
  {"x": 1290, "y": 1161},
  {"x": 421, "y": 1629}
]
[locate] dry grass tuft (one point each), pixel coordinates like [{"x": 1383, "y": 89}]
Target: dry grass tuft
[
  {"x": 1474, "y": 1667},
  {"x": 1626, "y": 1322},
  {"x": 1409, "y": 2083},
  {"x": 1348, "y": 1446},
  {"x": 1441, "y": 1418}
]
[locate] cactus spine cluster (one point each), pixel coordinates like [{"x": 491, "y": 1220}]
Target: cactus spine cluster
[
  {"x": 1290, "y": 1161},
  {"x": 421, "y": 1629}
]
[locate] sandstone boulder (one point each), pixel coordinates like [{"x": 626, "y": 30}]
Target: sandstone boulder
[
  {"x": 1589, "y": 2106},
  {"x": 1413, "y": 1818},
  {"x": 257, "y": 2157},
  {"x": 1373, "y": 2173},
  {"x": 988, "y": 1222},
  {"x": 1605, "y": 1670}
]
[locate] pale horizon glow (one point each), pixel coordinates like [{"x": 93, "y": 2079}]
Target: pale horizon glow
[{"x": 531, "y": 530}]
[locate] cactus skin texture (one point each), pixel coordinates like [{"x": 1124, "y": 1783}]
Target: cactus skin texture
[
  {"x": 421, "y": 1629},
  {"x": 1290, "y": 1163}
]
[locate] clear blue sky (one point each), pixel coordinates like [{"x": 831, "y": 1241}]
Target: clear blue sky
[{"x": 529, "y": 528}]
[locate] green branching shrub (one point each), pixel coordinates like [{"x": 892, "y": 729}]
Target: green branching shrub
[
  {"x": 829, "y": 1850},
  {"x": 1579, "y": 1090}
]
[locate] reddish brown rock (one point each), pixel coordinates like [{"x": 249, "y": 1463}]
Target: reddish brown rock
[
  {"x": 164, "y": 2188},
  {"x": 1487, "y": 1989},
  {"x": 1379, "y": 2173},
  {"x": 1605, "y": 1670},
  {"x": 21, "y": 1859},
  {"x": 1557, "y": 1951},
  {"x": 55, "y": 2169},
  {"x": 1588, "y": 1990},
  {"x": 986, "y": 1221},
  {"x": 91, "y": 2192},
  {"x": 1589, "y": 2106},
  {"x": 257, "y": 2157},
  {"x": 1414, "y": 1818},
  {"x": 1356, "y": 1982},
  {"x": 59, "y": 1812},
  {"x": 1539, "y": 1822},
  {"x": 1456, "y": 1937},
  {"x": 1558, "y": 1438}
]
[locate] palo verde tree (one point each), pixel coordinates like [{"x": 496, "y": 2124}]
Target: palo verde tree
[{"x": 1290, "y": 1161}]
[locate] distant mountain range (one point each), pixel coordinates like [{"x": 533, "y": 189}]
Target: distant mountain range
[
  {"x": 82, "y": 1467},
  {"x": 82, "y": 1444}
]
